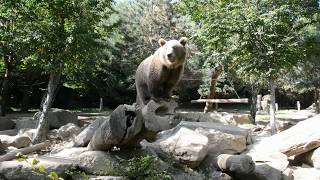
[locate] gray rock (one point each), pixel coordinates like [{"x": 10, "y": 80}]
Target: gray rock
[
  {"x": 6, "y": 124},
  {"x": 99, "y": 163},
  {"x": 59, "y": 117},
  {"x": 68, "y": 130},
  {"x": 262, "y": 172},
  {"x": 200, "y": 117},
  {"x": 14, "y": 170},
  {"x": 266, "y": 172},
  {"x": 185, "y": 146},
  {"x": 220, "y": 142},
  {"x": 85, "y": 136},
  {"x": 189, "y": 174},
  {"x": 276, "y": 160},
  {"x": 15, "y": 141},
  {"x": 237, "y": 119},
  {"x": 216, "y": 117},
  {"x": 26, "y": 123},
  {"x": 9, "y": 132},
  {"x": 230, "y": 129}
]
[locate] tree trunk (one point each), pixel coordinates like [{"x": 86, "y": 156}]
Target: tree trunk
[
  {"x": 317, "y": 100},
  {"x": 273, "y": 107},
  {"x": 254, "y": 107},
  {"x": 217, "y": 71},
  {"x": 4, "y": 93},
  {"x": 5, "y": 83},
  {"x": 43, "y": 125},
  {"x": 101, "y": 104},
  {"x": 240, "y": 164},
  {"x": 25, "y": 103}
]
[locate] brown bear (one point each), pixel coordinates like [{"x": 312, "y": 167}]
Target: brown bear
[{"x": 157, "y": 75}]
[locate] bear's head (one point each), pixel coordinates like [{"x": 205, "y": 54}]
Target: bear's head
[{"x": 173, "y": 52}]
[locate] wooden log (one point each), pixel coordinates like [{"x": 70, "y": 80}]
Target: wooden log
[
  {"x": 129, "y": 125},
  {"x": 314, "y": 158},
  {"x": 296, "y": 140},
  {"x": 121, "y": 130},
  {"x": 242, "y": 100},
  {"x": 12, "y": 155},
  {"x": 238, "y": 164},
  {"x": 311, "y": 158}
]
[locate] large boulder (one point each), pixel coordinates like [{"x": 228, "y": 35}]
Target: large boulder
[
  {"x": 100, "y": 163},
  {"x": 184, "y": 146},
  {"x": 220, "y": 142},
  {"x": 216, "y": 117},
  {"x": 15, "y": 141},
  {"x": 59, "y": 117},
  {"x": 26, "y": 123},
  {"x": 6, "y": 124},
  {"x": 229, "y": 129},
  {"x": 83, "y": 139}
]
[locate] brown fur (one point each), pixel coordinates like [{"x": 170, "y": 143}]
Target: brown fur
[{"x": 157, "y": 75}]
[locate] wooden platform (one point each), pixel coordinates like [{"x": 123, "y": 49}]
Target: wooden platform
[{"x": 242, "y": 100}]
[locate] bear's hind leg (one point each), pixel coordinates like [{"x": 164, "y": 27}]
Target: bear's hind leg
[{"x": 143, "y": 95}]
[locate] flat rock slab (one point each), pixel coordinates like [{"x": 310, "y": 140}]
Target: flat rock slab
[
  {"x": 296, "y": 140},
  {"x": 230, "y": 129},
  {"x": 14, "y": 170},
  {"x": 220, "y": 142},
  {"x": 225, "y": 118}
]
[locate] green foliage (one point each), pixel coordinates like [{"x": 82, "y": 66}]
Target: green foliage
[
  {"x": 256, "y": 39},
  {"x": 77, "y": 174},
  {"x": 54, "y": 176},
  {"x": 305, "y": 76},
  {"x": 145, "y": 168},
  {"x": 21, "y": 157}
]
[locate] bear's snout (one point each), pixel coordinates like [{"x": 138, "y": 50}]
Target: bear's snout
[{"x": 171, "y": 57}]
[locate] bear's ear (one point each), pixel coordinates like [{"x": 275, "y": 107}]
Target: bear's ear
[
  {"x": 183, "y": 41},
  {"x": 162, "y": 42}
]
